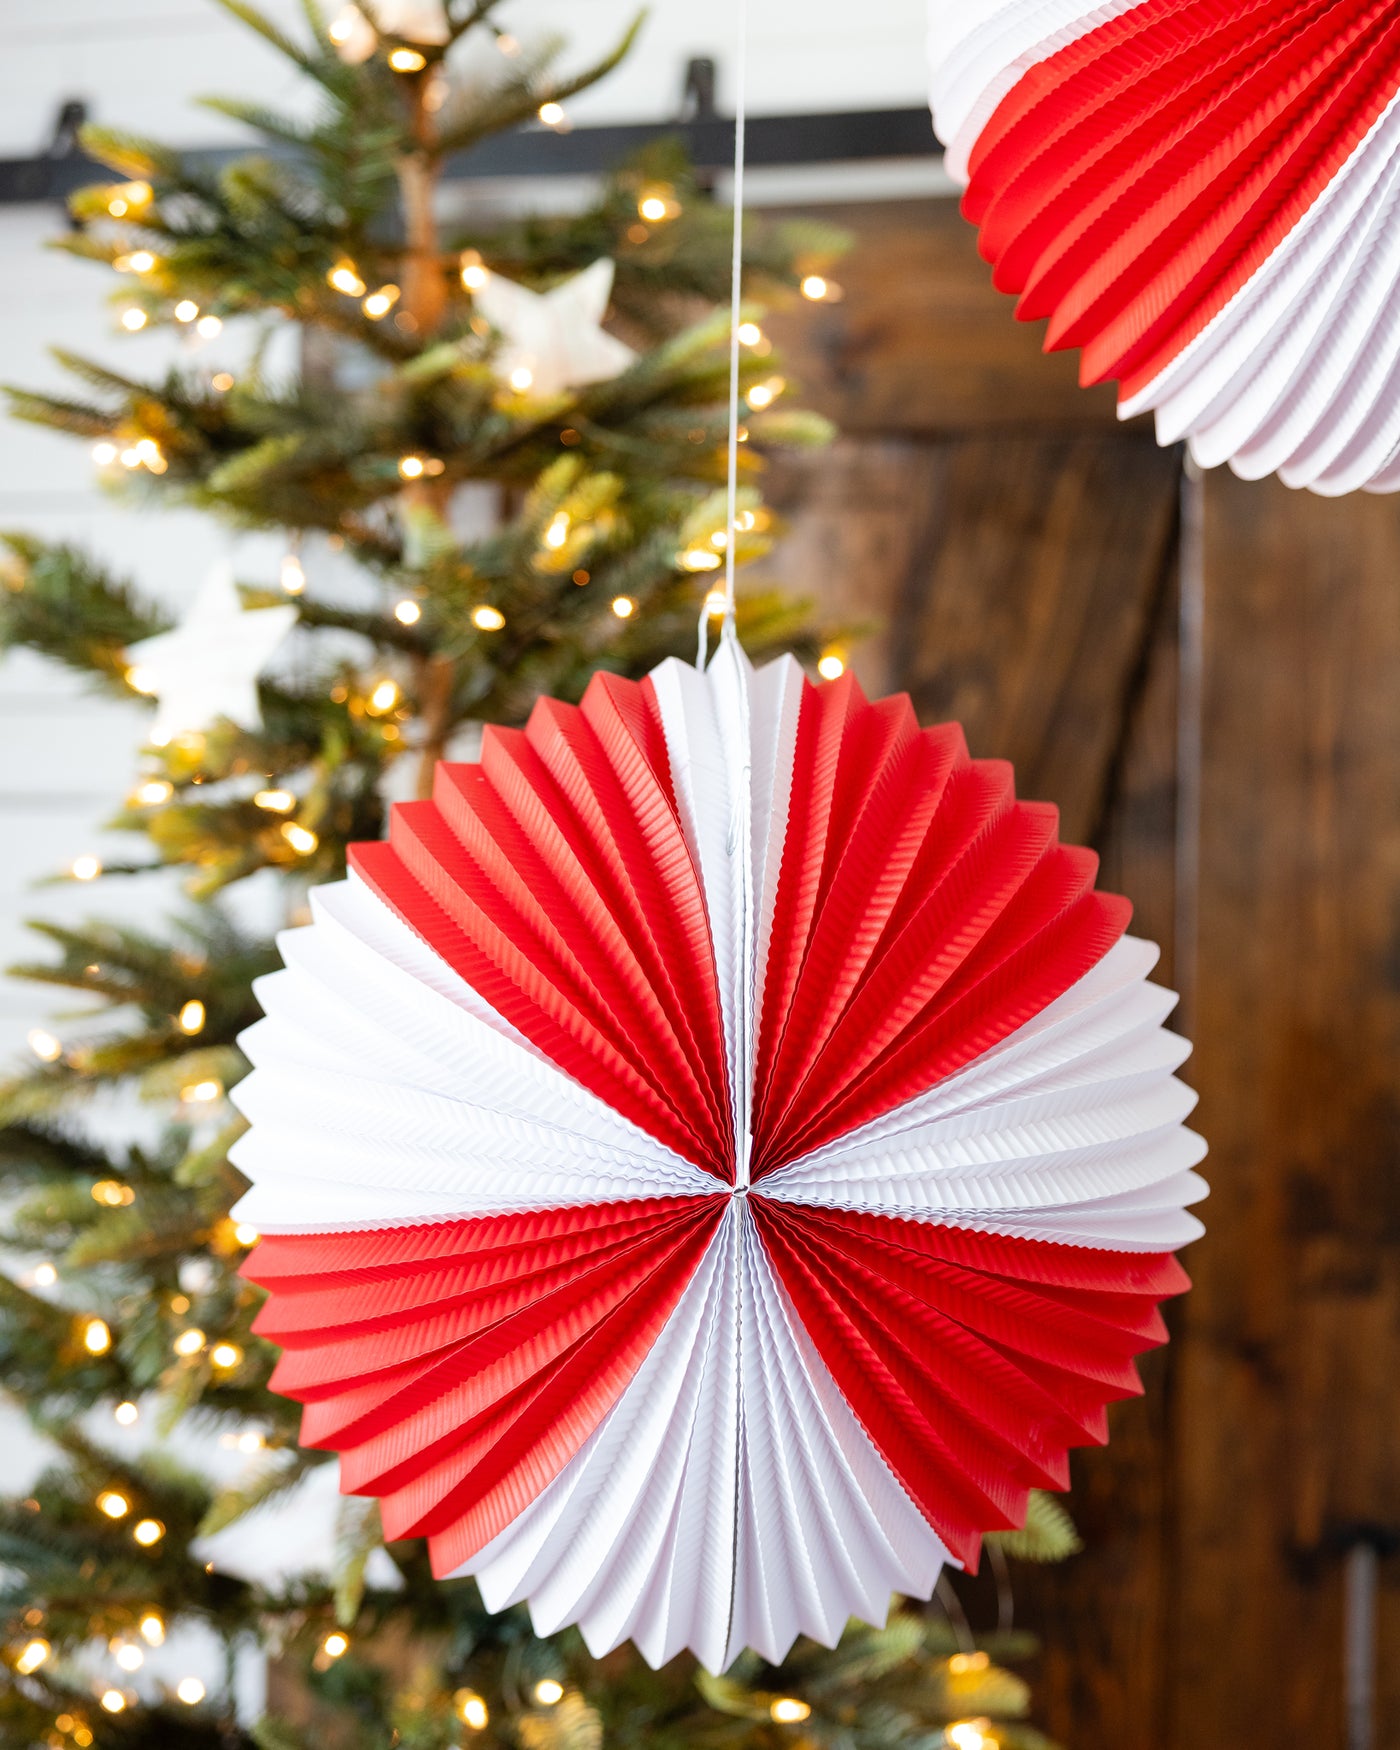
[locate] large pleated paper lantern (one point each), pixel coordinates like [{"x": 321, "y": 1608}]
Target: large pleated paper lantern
[
  {"x": 713, "y": 1160},
  {"x": 1203, "y": 196}
]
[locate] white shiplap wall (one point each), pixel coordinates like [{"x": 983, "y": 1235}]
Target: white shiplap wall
[{"x": 141, "y": 62}]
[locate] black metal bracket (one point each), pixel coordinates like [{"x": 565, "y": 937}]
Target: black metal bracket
[{"x": 772, "y": 140}]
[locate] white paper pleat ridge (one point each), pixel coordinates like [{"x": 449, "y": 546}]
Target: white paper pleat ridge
[{"x": 979, "y": 49}]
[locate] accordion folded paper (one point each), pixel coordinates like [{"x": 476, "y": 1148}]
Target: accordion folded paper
[
  {"x": 713, "y": 1160},
  {"x": 1204, "y": 196}
]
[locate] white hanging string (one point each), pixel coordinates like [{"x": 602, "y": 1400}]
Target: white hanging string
[{"x": 741, "y": 70}]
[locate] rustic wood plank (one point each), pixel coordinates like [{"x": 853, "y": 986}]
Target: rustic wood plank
[
  {"x": 1285, "y": 1423},
  {"x": 860, "y": 516},
  {"x": 922, "y": 343},
  {"x": 1041, "y": 568}
]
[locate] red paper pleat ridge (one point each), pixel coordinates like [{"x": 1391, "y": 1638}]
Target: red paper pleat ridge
[
  {"x": 457, "y": 1367},
  {"x": 974, "y": 1362},
  {"x": 922, "y": 914},
  {"x": 555, "y": 877},
  {"x": 1130, "y": 184}
]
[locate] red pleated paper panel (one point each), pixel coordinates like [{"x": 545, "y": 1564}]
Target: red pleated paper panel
[
  {"x": 1130, "y": 184},
  {"x": 458, "y": 1366},
  {"x": 973, "y": 1361},
  {"x": 556, "y": 878},
  {"x": 922, "y": 914}
]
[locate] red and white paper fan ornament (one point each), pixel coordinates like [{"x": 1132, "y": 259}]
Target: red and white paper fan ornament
[
  {"x": 713, "y": 1159},
  {"x": 1203, "y": 196}
]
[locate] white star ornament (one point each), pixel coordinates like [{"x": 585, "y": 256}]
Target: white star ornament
[
  {"x": 552, "y": 341},
  {"x": 208, "y": 666}
]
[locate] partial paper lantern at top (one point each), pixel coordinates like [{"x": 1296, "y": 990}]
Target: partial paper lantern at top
[
  {"x": 1203, "y": 196},
  {"x": 713, "y": 1160}
]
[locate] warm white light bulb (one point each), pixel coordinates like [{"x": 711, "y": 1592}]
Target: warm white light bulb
[
  {"x": 379, "y": 304},
  {"x": 471, "y": 1709},
  {"x": 46, "y": 1047},
  {"x": 788, "y": 1710},
  {"x": 32, "y": 1657},
  {"x": 343, "y": 277},
  {"x": 300, "y": 838}
]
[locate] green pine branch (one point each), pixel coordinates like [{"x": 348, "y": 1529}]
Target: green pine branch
[{"x": 56, "y": 601}]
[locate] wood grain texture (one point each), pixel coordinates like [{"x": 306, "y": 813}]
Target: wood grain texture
[
  {"x": 922, "y": 343},
  {"x": 861, "y": 517},
  {"x": 1040, "y": 566},
  {"x": 1285, "y": 1428}
]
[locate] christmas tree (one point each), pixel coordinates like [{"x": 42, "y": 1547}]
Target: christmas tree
[{"x": 428, "y": 367}]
